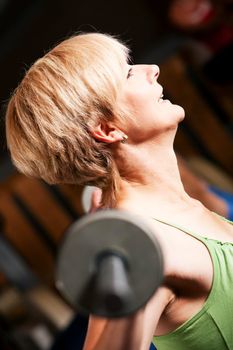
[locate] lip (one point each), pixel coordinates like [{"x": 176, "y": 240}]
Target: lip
[{"x": 161, "y": 89}]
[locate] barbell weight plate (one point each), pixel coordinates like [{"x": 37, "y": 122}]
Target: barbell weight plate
[{"x": 115, "y": 231}]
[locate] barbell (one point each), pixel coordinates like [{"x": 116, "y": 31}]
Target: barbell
[{"x": 109, "y": 264}]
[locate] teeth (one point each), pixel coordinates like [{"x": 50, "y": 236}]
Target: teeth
[{"x": 161, "y": 98}]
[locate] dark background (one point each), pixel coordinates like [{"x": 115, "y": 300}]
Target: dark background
[
  {"x": 28, "y": 28},
  {"x": 33, "y": 215}
]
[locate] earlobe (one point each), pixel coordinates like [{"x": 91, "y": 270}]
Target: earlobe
[{"x": 107, "y": 134}]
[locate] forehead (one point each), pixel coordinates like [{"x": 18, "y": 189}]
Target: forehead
[{"x": 115, "y": 57}]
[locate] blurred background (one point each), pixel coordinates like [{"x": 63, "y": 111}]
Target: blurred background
[{"x": 192, "y": 41}]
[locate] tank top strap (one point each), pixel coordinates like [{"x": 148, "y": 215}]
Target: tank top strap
[
  {"x": 180, "y": 228},
  {"x": 223, "y": 218},
  {"x": 189, "y": 232}
]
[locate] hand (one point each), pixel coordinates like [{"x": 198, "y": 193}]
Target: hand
[
  {"x": 95, "y": 199},
  {"x": 91, "y": 199}
]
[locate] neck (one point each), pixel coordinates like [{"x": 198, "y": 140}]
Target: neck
[{"x": 152, "y": 184}]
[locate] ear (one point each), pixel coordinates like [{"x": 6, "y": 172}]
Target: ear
[{"x": 107, "y": 133}]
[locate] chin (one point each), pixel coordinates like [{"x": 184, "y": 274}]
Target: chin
[{"x": 179, "y": 111}]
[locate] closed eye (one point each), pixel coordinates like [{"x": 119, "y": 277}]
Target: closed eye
[{"x": 129, "y": 73}]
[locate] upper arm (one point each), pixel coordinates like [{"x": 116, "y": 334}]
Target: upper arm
[
  {"x": 153, "y": 311},
  {"x": 136, "y": 330},
  {"x": 95, "y": 329}
]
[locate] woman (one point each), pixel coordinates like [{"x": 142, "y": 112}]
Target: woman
[{"x": 83, "y": 114}]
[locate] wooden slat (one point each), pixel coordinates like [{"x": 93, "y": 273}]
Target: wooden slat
[
  {"x": 74, "y": 194},
  {"x": 223, "y": 94},
  {"x": 199, "y": 116},
  {"x": 51, "y": 305},
  {"x": 24, "y": 238},
  {"x": 3, "y": 280},
  {"x": 45, "y": 208},
  {"x": 184, "y": 145}
]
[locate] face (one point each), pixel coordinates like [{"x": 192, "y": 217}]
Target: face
[{"x": 142, "y": 95}]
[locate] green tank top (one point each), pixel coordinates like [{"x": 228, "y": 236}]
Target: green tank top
[{"x": 212, "y": 327}]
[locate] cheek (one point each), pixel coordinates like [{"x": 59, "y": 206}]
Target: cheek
[{"x": 141, "y": 100}]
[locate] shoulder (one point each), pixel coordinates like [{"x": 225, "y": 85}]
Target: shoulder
[{"x": 184, "y": 255}]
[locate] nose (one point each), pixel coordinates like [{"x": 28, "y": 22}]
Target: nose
[{"x": 153, "y": 72}]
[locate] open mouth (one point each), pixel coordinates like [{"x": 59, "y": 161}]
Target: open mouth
[{"x": 160, "y": 98}]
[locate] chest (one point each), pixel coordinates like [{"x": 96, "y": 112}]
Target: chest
[{"x": 189, "y": 275}]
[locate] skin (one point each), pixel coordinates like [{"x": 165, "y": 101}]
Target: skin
[
  {"x": 198, "y": 188},
  {"x": 150, "y": 175},
  {"x": 195, "y": 187}
]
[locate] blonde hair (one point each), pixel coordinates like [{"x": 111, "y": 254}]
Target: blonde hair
[{"x": 50, "y": 114}]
